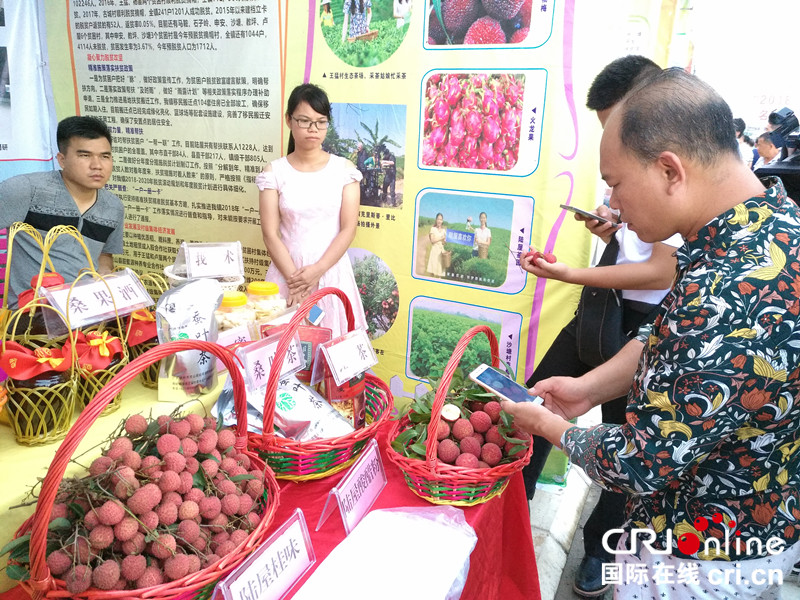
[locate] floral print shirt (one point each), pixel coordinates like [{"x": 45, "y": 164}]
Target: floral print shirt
[
  {"x": 710, "y": 446},
  {"x": 358, "y": 20}
]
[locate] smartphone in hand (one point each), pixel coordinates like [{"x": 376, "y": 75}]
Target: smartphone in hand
[
  {"x": 586, "y": 213},
  {"x": 501, "y": 385}
]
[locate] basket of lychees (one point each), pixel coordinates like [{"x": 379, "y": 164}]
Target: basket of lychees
[
  {"x": 314, "y": 459},
  {"x": 454, "y": 444},
  {"x": 170, "y": 506}
]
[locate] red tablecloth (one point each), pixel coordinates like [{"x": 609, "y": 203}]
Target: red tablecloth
[{"x": 502, "y": 565}]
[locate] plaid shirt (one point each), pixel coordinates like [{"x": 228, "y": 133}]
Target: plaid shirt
[{"x": 713, "y": 416}]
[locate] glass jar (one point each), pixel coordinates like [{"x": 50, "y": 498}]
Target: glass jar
[
  {"x": 266, "y": 300},
  {"x": 234, "y": 311}
]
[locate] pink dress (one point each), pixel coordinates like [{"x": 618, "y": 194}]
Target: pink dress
[{"x": 310, "y": 204}]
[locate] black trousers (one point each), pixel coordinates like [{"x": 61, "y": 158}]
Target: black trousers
[{"x": 562, "y": 359}]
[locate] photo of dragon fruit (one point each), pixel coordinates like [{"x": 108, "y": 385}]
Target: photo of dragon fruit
[{"x": 472, "y": 120}]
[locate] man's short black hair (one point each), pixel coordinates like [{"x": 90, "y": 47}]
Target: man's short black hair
[
  {"x": 89, "y": 128},
  {"x": 739, "y": 126},
  {"x": 617, "y": 79}
]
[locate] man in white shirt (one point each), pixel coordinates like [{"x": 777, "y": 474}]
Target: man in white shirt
[{"x": 768, "y": 153}]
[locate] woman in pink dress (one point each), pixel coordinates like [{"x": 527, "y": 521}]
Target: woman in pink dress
[{"x": 308, "y": 202}]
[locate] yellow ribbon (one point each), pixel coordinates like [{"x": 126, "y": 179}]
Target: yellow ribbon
[
  {"x": 103, "y": 341},
  {"x": 52, "y": 361},
  {"x": 143, "y": 315}
]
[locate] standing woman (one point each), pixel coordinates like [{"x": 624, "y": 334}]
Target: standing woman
[
  {"x": 359, "y": 14},
  {"x": 437, "y": 235},
  {"x": 483, "y": 237},
  {"x": 308, "y": 203}
]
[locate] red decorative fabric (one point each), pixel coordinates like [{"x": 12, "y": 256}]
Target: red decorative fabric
[
  {"x": 96, "y": 350},
  {"x": 22, "y": 363},
  {"x": 141, "y": 327}
]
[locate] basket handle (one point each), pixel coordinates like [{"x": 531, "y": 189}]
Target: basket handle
[
  {"x": 15, "y": 229},
  {"x": 9, "y": 330},
  {"x": 283, "y": 346},
  {"x": 432, "y": 444},
  {"x": 41, "y": 578}
]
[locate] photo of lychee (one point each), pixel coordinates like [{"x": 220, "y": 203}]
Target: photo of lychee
[{"x": 486, "y": 22}]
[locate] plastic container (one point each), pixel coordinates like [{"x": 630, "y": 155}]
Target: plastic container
[
  {"x": 234, "y": 311},
  {"x": 266, "y": 300}
]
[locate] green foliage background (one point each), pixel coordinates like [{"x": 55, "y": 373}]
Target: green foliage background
[
  {"x": 377, "y": 286},
  {"x": 434, "y": 336},
  {"x": 370, "y": 53},
  {"x": 492, "y": 269}
]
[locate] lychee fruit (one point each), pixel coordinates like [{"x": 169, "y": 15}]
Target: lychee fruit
[
  {"x": 144, "y": 499},
  {"x": 150, "y": 464},
  {"x": 101, "y": 537},
  {"x": 135, "y": 545},
  {"x": 168, "y": 443},
  {"x": 225, "y": 439},
  {"x": 152, "y": 576},
  {"x": 448, "y": 451},
  {"x": 59, "y": 562},
  {"x": 481, "y": 421},
  {"x": 225, "y": 548},
  {"x": 218, "y": 524},
  {"x": 136, "y": 425},
  {"x": 226, "y": 486},
  {"x": 163, "y": 422},
  {"x": 163, "y": 546},
  {"x": 462, "y": 428},
  {"x": 106, "y": 575},
  {"x": 493, "y": 436},
  {"x": 169, "y": 482},
  {"x": 254, "y": 489},
  {"x": 485, "y": 31},
  {"x": 188, "y": 447},
  {"x": 176, "y": 567},
  {"x": 491, "y": 454},
  {"x": 230, "y": 504},
  {"x": 149, "y": 521},
  {"x": 192, "y": 465},
  {"x": 181, "y": 428},
  {"x": 91, "y": 520},
  {"x": 111, "y": 512},
  {"x": 188, "y": 510},
  {"x": 442, "y": 431},
  {"x": 118, "y": 447},
  {"x": 133, "y": 566},
  {"x": 80, "y": 550},
  {"x": 59, "y": 511},
  {"x": 100, "y": 465},
  {"x": 210, "y": 467},
  {"x": 210, "y": 507},
  {"x": 238, "y": 536},
  {"x": 195, "y": 495},
  {"x": 245, "y": 504},
  {"x": 126, "y": 529},
  {"x": 194, "y": 563},
  {"x": 493, "y": 409},
  {"x": 470, "y": 445},
  {"x": 207, "y": 441},
  {"x": 78, "y": 579},
  {"x": 479, "y": 437},
  {"x": 187, "y": 482},
  {"x": 467, "y": 460},
  {"x": 188, "y": 531},
  {"x": 502, "y": 9},
  {"x": 131, "y": 459},
  {"x": 196, "y": 423},
  {"x": 167, "y": 513}
]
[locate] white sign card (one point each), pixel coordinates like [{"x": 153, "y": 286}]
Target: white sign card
[
  {"x": 274, "y": 568},
  {"x": 229, "y": 337},
  {"x": 258, "y": 356},
  {"x": 92, "y": 300},
  {"x": 213, "y": 259},
  {"x": 358, "y": 490},
  {"x": 349, "y": 355}
]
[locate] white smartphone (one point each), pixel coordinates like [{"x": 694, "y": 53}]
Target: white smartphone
[
  {"x": 501, "y": 385},
  {"x": 586, "y": 213}
]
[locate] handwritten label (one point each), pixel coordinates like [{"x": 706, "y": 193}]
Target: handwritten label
[
  {"x": 258, "y": 358},
  {"x": 93, "y": 300},
  {"x": 272, "y": 570},
  {"x": 349, "y": 355},
  {"x": 229, "y": 337},
  {"x": 358, "y": 490},
  {"x": 218, "y": 259}
]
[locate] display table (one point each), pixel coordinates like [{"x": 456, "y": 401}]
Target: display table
[{"x": 502, "y": 565}]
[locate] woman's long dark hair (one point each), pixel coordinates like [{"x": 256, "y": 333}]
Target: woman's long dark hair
[
  {"x": 316, "y": 98},
  {"x": 353, "y": 7}
]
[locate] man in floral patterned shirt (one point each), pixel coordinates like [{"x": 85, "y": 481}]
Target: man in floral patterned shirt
[{"x": 710, "y": 447}]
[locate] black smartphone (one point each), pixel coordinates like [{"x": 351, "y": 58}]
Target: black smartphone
[{"x": 586, "y": 213}]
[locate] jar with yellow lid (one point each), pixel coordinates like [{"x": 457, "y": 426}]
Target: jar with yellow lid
[
  {"x": 265, "y": 298},
  {"x": 234, "y": 310}
]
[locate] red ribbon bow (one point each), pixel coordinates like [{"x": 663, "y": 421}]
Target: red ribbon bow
[
  {"x": 96, "y": 350},
  {"x": 26, "y": 363},
  {"x": 141, "y": 327}
]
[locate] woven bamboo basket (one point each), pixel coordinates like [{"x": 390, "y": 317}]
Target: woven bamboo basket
[
  {"x": 440, "y": 483},
  {"x": 300, "y": 461},
  {"x": 195, "y": 586},
  {"x": 40, "y": 414}
]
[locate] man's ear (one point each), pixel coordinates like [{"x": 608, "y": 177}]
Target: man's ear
[
  {"x": 60, "y": 158},
  {"x": 672, "y": 170}
]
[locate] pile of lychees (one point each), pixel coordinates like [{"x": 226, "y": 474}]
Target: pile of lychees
[
  {"x": 473, "y": 432},
  {"x": 480, "y": 22},
  {"x": 167, "y": 498}
]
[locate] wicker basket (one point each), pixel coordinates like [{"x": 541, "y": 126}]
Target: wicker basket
[
  {"x": 447, "y": 258},
  {"x": 300, "y": 461},
  {"x": 441, "y": 483},
  {"x": 40, "y": 414},
  {"x": 194, "y": 586}
]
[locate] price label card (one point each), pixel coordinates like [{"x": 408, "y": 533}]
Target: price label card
[
  {"x": 217, "y": 259},
  {"x": 92, "y": 300},
  {"x": 229, "y": 337},
  {"x": 274, "y": 569},
  {"x": 358, "y": 490},
  {"x": 258, "y": 358},
  {"x": 349, "y": 355}
]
